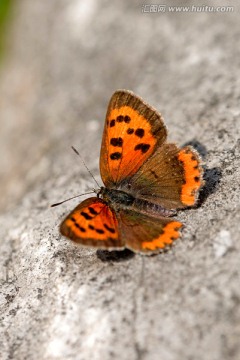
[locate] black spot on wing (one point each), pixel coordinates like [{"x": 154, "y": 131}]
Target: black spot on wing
[
  {"x": 139, "y": 132},
  {"x": 80, "y": 228},
  {"x": 112, "y": 123},
  {"x": 109, "y": 228},
  {"x": 154, "y": 174},
  {"x": 120, "y": 118},
  {"x": 143, "y": 147},
  {"x": 92, "y": 211},
  {"x": 100, "y": 231},
  {"x": 116, "y": 142},
  {"x": 127, "y": 119},
  {"x": 130, "y": 131},
  {"x": 86, "y": 215},
  {"x": 116, "y": 156}
]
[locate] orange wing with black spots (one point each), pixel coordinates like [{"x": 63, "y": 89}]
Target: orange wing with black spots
[
  {"x": 133, "y": 130},
  {"x": 147, "y": 234},
  {"x": 92, "y": 223},
  {"x": 171, "y": 177}
]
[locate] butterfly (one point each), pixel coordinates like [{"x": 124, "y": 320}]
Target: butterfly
[{"x": 145, "y": 180}]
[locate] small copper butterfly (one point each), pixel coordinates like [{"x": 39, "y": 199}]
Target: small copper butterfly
[{"x": 145, "y": 180}]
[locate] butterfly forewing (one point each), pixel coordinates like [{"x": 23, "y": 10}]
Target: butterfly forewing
[
  {"x": 133, "y": 130},
  {"x": 92, "y": 223}
]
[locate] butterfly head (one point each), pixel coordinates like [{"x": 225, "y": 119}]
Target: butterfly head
[{"x": 102, "y": 193}]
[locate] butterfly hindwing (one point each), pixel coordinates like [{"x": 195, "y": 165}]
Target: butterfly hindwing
[
  {"x": 133, "y": 130},
  {"x": 92, "y": 223},
  {"x": 171, "y": 177},
  {"x": 147, "y": 234}
]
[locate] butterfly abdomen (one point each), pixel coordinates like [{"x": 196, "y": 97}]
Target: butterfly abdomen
[{"x": 149, "y": 208}]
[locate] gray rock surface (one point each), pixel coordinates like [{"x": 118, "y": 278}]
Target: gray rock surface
[{"x": 60, "y": 301}]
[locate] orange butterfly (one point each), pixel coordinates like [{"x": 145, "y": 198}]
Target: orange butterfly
[{"x": 145, "y": 179}]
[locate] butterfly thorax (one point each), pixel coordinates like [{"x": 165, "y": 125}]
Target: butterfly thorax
[
  {"x": 119, "y": 199},
  {"x": 116, "y": 197}
]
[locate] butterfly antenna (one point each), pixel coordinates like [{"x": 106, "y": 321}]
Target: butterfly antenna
[
  {"x": 76, "y": 152},
  {"x": 74, "y": 197}
]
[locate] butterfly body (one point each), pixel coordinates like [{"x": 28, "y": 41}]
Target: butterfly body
[
  {"x": 120, "y": 200},
  {"x": 145, "y": 178}
]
